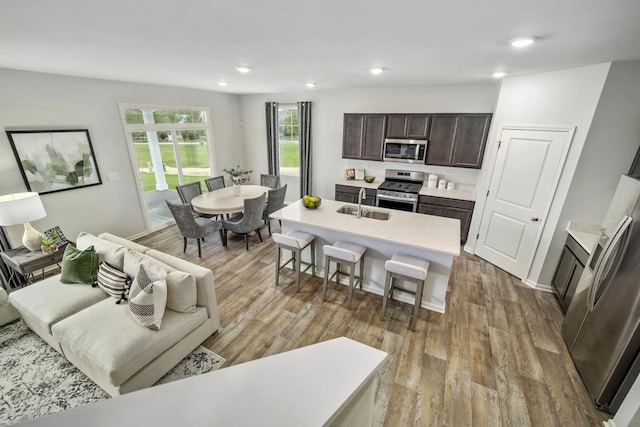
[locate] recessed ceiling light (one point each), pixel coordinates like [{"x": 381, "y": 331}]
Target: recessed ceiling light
[
  {"x": 499, "y": 74},
  {"x": 243, "y": 70},
  {"x": 522, "y": 42},
  {"x": 310, "y": 84},
  {"x": 222, "y": 83},
  {"x": 376, "y": 71}
]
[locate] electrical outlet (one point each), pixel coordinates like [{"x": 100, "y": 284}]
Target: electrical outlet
[{"x": 447, "y": 173}]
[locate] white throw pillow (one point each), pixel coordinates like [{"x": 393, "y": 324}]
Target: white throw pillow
[
  {"x": 148, "y": 300},
  {"x": 182, "y": 292}
]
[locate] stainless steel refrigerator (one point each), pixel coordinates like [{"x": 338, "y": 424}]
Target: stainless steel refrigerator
[{"x": 602, "y": 324}]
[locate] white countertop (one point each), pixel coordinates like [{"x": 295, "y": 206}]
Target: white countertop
[
  {"x": 361, "y": 183},
  {"x": 303, "y": 387},
  {"x": 461, "y": 192},
  {"x": 421, "y": 231},
  {"x": 464, "y": 193},
  {"x": 587, "y": 235}
]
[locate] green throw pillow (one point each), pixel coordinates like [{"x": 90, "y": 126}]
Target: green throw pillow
[{"x": 79, "y": 266}]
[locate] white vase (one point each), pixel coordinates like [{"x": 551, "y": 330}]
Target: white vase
[{"x": 236, "y": 190}]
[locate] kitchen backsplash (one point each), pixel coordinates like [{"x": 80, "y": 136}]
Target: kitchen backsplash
[{"x": 457, "y": 175}]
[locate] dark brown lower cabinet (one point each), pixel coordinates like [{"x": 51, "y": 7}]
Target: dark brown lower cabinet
[
  {"x": 450, "y": 208},
  {"x": 567, "y": 275},
  {"x": 349, "y": 194}
]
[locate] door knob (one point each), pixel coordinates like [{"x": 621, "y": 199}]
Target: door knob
[{"x": 535, "y": 219}]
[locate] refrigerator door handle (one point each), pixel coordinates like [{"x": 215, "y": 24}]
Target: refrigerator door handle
[{"x": 599, "y": 273}]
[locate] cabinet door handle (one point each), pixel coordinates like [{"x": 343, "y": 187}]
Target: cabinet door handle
[{"x": 535, "y": 219}]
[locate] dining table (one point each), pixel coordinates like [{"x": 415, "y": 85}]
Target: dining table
[{"x": 224, "y": 201}]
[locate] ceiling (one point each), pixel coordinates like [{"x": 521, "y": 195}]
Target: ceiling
[{"x": 196, "y": 43}]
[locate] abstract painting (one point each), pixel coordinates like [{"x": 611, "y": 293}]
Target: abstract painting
[{"x": 55, "y": 160}]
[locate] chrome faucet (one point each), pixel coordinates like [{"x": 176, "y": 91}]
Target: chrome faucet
[{"x": 362, "y": 195}]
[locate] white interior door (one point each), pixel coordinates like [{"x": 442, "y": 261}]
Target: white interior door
[{"x": 524, "y": 179}]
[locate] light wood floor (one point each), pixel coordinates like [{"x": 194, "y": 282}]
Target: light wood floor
[{"x": 495, "y": 358}]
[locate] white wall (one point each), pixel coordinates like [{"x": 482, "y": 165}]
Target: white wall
[
  {"x": 36, "y": 100},
  {"x": 328, "y": 109},
  {"x": 558, "y": 98},
  {"x": 611, "y": 144}
]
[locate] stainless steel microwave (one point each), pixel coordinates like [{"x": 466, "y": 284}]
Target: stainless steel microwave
[{"x": 405, "y": 150}]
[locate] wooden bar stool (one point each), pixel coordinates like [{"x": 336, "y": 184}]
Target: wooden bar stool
[
  {"x": 408, "y": 268},
  {"x": 344, "y": 253},
  {"x": 296, "y": 242}
]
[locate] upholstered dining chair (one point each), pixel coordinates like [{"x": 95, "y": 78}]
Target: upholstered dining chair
[
  {"x": 194, "y": 228},
  {"x": 275, "y": 202},
  {"x": 248, "y": 221},
  {"x": 271, "y": 181},
  {"x": 187, "y": 192},
  {"x": 215, "y": 183}
]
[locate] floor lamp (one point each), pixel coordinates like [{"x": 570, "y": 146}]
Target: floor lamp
[{"x": 22, "y": 208}]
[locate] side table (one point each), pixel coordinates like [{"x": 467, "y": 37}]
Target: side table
[{"x": 22, "y": 260}]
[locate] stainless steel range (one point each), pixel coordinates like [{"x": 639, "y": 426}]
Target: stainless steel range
[{"x": 400, "y": 190}]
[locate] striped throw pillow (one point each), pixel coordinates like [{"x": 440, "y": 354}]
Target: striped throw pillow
[
  {"x": 148, "y": 300},
  {"x": 113, "y": 281}
]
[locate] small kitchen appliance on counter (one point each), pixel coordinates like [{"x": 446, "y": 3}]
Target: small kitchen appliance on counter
[{"x": 400, "y": 190}]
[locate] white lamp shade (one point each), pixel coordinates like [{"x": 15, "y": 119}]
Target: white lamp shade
[{"x": 20, "y": 208}]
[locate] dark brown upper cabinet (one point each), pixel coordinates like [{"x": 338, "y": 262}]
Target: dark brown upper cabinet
[
  {"x": 458, "y": 139},
  {"x": 414, "y": 126},
  {"x": 363, "y": 136}
]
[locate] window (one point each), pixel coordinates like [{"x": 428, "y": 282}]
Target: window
[
  {"x": 171, "y": 145},
  {"x": 289, "y": 139}
]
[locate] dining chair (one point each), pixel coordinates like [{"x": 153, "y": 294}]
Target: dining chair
[
  {"x": 275, "y": 202},
  {"x": 248, "y": 221},
  {"x": 271, "y": 181},
  {"x": 194, "y": 228},
  {"x": 187, "y": 192},
  {"x": 215, "y": 183}
]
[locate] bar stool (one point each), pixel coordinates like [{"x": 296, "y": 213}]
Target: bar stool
[
  {"x": 296, "y": 242},
  {"x": 408, "y": 268},
  {"x": 343, "y": 253}
]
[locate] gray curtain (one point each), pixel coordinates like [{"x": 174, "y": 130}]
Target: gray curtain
[
  {"x": 17, "y": 280},
  {"x": 304, "y": 118},
  {"x": 271, "y": 110}
]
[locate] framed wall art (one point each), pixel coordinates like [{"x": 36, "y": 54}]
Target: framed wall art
[{"x": 55, "y": 160}]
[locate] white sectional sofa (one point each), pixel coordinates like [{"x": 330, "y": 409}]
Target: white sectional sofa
[{"x": 100, "y": 337}]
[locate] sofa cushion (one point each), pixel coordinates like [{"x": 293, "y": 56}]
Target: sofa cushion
[
  {"x": 50, "y": 301},
  {"x": 181, "y": 287},
  {"x": 148, "y": 300},
  {"x": 107, "y": 251},
  {"x": 106, "y": 339},
  {"x": 123, "y": 242}
]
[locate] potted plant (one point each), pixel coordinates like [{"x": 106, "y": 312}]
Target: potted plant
[
  {"x": 238, "y": 176},
  {"x": 48, "y": 246}
]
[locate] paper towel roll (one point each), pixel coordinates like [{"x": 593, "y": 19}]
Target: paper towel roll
[{"x": 432, "y": 182}]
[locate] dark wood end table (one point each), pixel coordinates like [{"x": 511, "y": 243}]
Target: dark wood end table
[{"x": 22, "y": 260}]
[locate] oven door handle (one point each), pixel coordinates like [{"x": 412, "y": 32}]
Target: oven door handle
[{"x": 398, "y": 199}]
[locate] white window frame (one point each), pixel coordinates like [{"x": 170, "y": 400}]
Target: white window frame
[
  {"x": 129, "y": 128},
  {"x": 289, "y": 106}
]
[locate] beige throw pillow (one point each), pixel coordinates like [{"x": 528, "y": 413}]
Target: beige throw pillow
[
  {"x": 109, "y": 252},
  {"x": 148, "y": 300},
  {"x": 181, "y": 287}
]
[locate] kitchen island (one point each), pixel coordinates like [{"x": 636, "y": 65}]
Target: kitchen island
[{"x": 433, "y": 238}]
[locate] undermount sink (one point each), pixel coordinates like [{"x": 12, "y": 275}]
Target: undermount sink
[{"x": 366, "y": 213}]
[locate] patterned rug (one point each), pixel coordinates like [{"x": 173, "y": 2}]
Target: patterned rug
[{"x": 35, "y": 380}]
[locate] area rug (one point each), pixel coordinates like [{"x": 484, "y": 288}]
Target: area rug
[{"x": 35, "y": 380}]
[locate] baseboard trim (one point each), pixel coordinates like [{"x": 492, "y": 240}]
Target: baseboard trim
[
  {"x": 538, "y": 286},
  {"x": 468, "y": 249},
  {"x": 609, "y": 423},
  {"x": 139, "y": 235}
]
